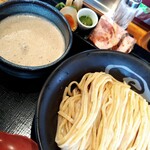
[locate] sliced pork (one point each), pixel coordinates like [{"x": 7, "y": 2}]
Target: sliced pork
[
  {"x": 109, "y": 35},
  {"x": 127, "y": 44}
]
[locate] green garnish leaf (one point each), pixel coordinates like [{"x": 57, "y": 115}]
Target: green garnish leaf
[
  {"x": 86, "y": 20},
  {"x": 60, "y": 5}
]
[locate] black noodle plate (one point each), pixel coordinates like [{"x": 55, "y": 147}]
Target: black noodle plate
[{"x": 123, "y": 67}]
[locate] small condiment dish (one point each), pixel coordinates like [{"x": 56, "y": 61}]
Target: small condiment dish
[{"x": 87, "y": 15}]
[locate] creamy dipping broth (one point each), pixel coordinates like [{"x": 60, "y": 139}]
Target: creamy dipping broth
[{"x": 30, "y": 40}]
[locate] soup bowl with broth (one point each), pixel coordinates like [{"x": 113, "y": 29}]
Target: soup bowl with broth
[{"x": 34, "y": 38}]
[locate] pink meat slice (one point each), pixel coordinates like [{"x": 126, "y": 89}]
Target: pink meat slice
[
  {"x": 127, "y": 44},
  {"x": 107, "y": 33}
]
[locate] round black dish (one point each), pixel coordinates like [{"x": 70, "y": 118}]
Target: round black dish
[
  {"x": 123, "y": 67},
  {"x": 42, "y": 9}
]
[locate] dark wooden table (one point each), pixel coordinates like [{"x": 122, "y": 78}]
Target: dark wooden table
[{"x": 18, "y": 97}]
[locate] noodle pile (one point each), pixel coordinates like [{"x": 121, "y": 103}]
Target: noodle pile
[{"x": 101, "y": 113}]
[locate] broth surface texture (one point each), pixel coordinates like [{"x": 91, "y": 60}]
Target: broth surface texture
[{"x": 30, "y": 40}]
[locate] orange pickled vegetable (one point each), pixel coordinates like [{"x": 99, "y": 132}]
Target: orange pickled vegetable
[
  {"x": 70, "y": 14},
  {"x": 71, "y": 22}
]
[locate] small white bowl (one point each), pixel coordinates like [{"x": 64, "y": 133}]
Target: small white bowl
[{"x": 90, "y": 13}]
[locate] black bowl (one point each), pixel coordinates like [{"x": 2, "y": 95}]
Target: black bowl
[
  {"x": 123, "y": 67},
  {"x": 41, "y": 9}
]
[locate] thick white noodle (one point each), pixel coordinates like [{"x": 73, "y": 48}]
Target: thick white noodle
[{"x": 101, "y": 113}]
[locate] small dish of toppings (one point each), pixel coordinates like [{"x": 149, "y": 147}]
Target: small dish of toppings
[
  {"x": 69, "y": 9},
  {"x": 87, "y": 18}
]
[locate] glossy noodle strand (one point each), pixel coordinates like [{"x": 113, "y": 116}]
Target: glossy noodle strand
[{"x": 102, "y": 113}]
